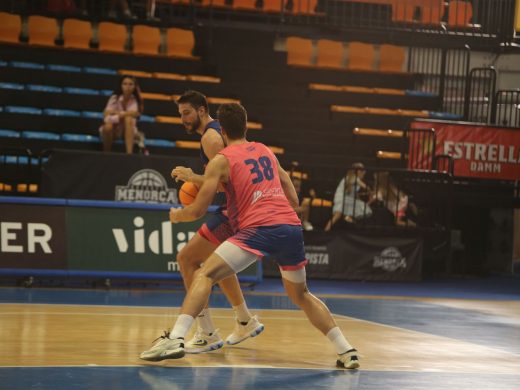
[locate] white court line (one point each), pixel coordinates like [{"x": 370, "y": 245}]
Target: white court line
[{"x": 145, "y": 315}]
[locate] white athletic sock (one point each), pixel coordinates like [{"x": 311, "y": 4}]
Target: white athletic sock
[
  {"x": 205, "y": 322},
  {"x": 181, "y": 327},
  {"x": 338, "y": 339},
  {"x": 242, "y": 312}
]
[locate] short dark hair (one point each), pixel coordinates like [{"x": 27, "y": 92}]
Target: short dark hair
[
  {"x": 233, "y": 119},
  {"x": 196, "y": 99}
]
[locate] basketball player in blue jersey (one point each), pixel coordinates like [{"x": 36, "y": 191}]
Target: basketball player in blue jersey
[{"x": 194, "y": 111}]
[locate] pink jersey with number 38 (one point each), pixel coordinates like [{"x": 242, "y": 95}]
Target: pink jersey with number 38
[{"x": 254, "y": 193}]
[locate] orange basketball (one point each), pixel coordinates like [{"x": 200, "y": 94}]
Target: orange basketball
[{"x": 188, "y": 193}]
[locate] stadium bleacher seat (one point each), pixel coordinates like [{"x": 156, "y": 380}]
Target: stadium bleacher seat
[
  {"x": 432, "y": 11},
  {"x": 330, "y": 53},
  {"x": 112, "y": 37},
  {"x": 459, "y": 13},
  {"x": 146, "y": 39},
  {"x": 248, "y": 5},
  {"x": 180, "y": 43},
  {"x": 80, "y": 138},
  {"x": 77, "y": 34},
  {"x": 61, "y": 112},
  {"x": 273, "y": 6},
  {"x": 10, "y": 27},
  {"x": 23, "y": 110},
  {"x": 9, "y": 133},
  {"x": 391, "y": 58},
  {"x": 16, "y": 86},
  {"x": 360, "y": 56},
  {"x": 41, "y": 135},
  {"x": 299, "y": 51},
  {"x": 42, "y": 30}
]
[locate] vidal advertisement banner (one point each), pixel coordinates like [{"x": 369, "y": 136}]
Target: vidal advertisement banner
[{"x": 478, "y": 151}]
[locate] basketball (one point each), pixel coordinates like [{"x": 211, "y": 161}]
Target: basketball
[{"x": 188, "y": 193}]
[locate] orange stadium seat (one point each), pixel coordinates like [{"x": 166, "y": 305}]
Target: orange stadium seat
[
  {"x": 146, "y": 39},
  {"x": 307, "y": 7},
  {"x": 245, "y": 5},
  {"x": 42, "y": 30},
  {"x": 215, "y": 3},
  {"x": 181, "y": 43},
  {"x": 391, "y": 58},
  {"x": 299, "y": 51},
  {"x": 112, "y": 36},
  {"x": 273, "y": 6},
  {"x": 76, "y": 34},
  {"x": 404, "y": 10},
  {"x": 330, "y": 53},
  {"x": 459, "y": 13},
  {"x": 360, "y": 56},
  {"x": 432, "y": 11},
  {"x": 10, "y": 27}
]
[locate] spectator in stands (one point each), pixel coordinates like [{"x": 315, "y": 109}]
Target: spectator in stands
[
  {"x": 303, "y": 210},
  {"x": 125, "y": 9},
  {"x": 121, "y": 113},
  {"x": 347, "y": 198},
  {"x": 393, "y": 198}
]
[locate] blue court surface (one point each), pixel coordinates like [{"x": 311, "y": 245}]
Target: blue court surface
[{"x": 471, "y": 313}]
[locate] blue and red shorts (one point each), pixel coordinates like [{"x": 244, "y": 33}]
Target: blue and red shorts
[
  {"x": 217, "y": 229},
  {"x": 284, "y": 243}
]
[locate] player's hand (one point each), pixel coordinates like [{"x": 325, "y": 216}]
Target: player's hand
[
  {"x": 174, "y": 215},
  {"x": 182, "y": 174}
]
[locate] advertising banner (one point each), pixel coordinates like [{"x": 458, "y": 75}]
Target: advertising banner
[
  {"x": 32, "y": 236},
  {"x": 129, "y": 240},
  {"x": 348, "y": 256},
  {"x": 116, "y": 239},
  {"x": 112, "y": 176},
  {"x": 478, "y": 151}
]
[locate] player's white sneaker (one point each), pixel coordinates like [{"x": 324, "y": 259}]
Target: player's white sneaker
[
  {"x": 203, "y": 342},
  {"x": 164, "y": 348},
  {"x": 241, "y": 332},
  {"x": 348, "y": 359}
]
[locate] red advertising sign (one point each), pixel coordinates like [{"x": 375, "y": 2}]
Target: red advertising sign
[{"x": 478, "y": 151}]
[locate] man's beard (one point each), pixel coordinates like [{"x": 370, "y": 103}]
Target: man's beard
[{"x": 194, "y": 126}]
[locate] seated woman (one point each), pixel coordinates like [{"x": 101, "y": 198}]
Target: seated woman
[
  {"x": 393, "y": 198},
  {"x": 347, "y": 201},
  {"x": 121, "y": 113},
  {"x": 303, "y": 210}
]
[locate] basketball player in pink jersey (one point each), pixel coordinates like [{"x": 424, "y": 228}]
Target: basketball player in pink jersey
[
  {"x": 261, "y": 201},
  {"x": 194, "y": 111}
]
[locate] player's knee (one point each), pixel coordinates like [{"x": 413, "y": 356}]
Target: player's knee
[
  {"x": 202, "y": 274},
  {"x": 185, "y": 259}
]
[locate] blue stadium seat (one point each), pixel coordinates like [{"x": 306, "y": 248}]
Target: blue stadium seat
[
  {"x": 16, "y": 86},
  {"x": 80, "y": 138},
  {"x": 162, "y": 143},
  {"x": 64, "y": 68},
  {"x": 23, "y": 110},
  {"x": 3, "y": 63},
  {"x": 410, "y": 92},
  {"x": 95, "y": 70},
  {"x": 81, "y": 91},
  {"x": 55, "y": 112},
  {"x": 444, "y": 115},
  {"x": 26, "y": 65},
  {"x": 147, "y": 118},
  {"x": 40, "y": 135},
  {"x": 106, "y": 92},
  {"x": 92, "y": 114},
  {"x": 9, "y": 134},
  {"x": 44, "y": 88}
]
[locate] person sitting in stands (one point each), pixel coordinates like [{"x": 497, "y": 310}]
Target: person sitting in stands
[
  {"x": 121, "y": 113},
  {"x": 347, "y": 201},
  {"x": 393, "y": 198},
  {"x": 303, "y": 210}
]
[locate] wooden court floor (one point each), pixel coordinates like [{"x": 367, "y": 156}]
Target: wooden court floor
[{"x": 406, "y": 343}]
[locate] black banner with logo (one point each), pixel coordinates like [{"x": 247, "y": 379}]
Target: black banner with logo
[
  {"x": 360, "y": 256},
  {"x": 112, "y": 176}
]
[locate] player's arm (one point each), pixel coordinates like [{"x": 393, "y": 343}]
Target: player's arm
[
  {"x": 216, "y": 172},
  {"x": 187, "y": 174},
  {"x": 212, "y": 143},
  {"x": 288, "y": 187}
]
